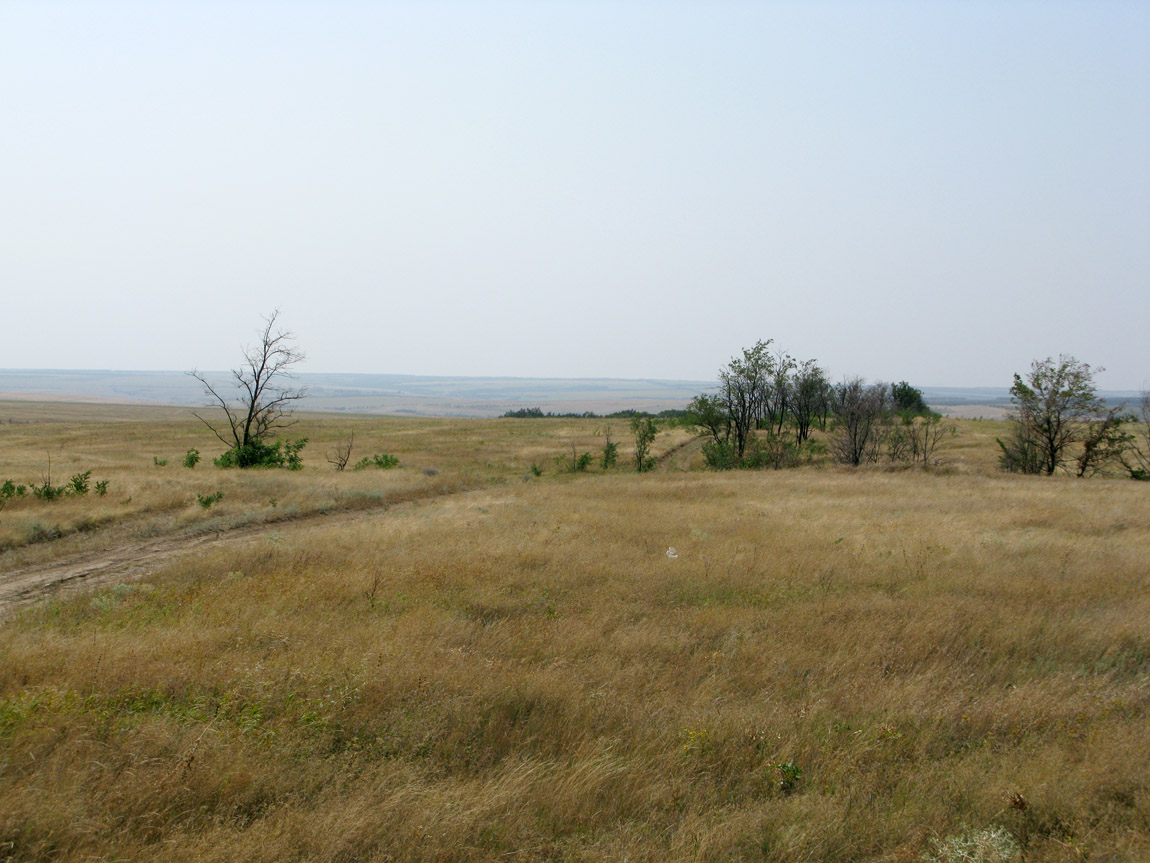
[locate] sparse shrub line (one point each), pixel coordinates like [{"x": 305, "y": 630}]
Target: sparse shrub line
[{"x": 77, "y": 486}]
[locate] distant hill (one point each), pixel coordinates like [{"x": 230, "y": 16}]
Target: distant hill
[
  {"x": 367, "y": 393},
  {"x": 438, "y": 396}
]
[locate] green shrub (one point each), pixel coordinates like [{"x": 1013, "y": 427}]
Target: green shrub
[
  {"x": 770, "y": 450},
  {"x": 291, "y": 450},
  {"x": 206, "y": 501},
  {"x": 775, "y": 451},
  {"x": 720, "y": 455},
  {"x": 645, "y": 430},
  {"x": 159, "y": 462},
  {"x": 9, "y": 490},
  {"x": 283, "y": 453},
  {"x": 789, "y": 775},
  {"x": 610, "y": 451},
  {"x": 78, "y": 484},
  {"x": 383, "y": 461},
  {"x": 577, "y": 463},
  {"x": 47, "y": 491},
  {"x": 191, "y": 458},
  {"x": 610, "y": 455}
]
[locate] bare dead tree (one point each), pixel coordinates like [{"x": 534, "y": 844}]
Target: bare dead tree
[
  {"x": 926, "y": 434},
  {"x": 341, "y": 454},
  {"x": 263, "y": 397},
  {"x": 859, "y": 411}
]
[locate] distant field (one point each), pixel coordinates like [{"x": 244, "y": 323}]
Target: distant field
[
  {"x": 458, "y": 659},
  {"x": 973, "y": 411},
  {"x": 370, "y": 394},
  {"x": 442, "y": 396}
]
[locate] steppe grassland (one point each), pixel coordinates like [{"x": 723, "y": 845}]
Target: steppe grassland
[
  {"x": 121, "y": 444},
  {"x": 836, "y": 665}
]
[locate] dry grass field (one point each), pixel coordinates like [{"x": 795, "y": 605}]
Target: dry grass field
[{"x": 486, "y": 665}]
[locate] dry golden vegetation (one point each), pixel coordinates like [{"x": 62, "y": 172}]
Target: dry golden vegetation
[
  {"x": 123, "y": 445},
  {"x": 832, "y": 665}
]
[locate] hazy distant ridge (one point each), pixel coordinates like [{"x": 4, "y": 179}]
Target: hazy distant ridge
[
  {"x": 369, "y": 393},
  {"x": 421, "y": 394}
]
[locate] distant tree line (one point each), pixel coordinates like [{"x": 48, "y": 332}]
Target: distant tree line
[{"x": 537, "y": 413}]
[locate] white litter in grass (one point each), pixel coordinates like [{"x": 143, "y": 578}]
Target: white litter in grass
[{"x": 671, "y": 553}]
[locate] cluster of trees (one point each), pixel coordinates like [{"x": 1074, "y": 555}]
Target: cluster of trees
[
  {"x": 1060, "y": 423},
  {"x": 768, "y": 403},
  {"x": 876, "y": 422}
]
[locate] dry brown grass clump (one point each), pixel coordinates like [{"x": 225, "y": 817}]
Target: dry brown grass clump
[{"x": 834, "y": 665}]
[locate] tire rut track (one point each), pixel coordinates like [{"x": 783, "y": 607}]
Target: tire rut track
[{"x": 25, "y": 585}]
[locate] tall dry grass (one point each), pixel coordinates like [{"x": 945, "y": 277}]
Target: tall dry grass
[
  {"x": 835, "y": 666},
  {"x": 122, "y": 444}
]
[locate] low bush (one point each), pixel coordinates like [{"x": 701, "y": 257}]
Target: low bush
[
  {"x": 577, "y": 463},
  {"x": 78, "y": 484},
  {"x": 610, "y": 451},
  {"x": 283, "y": 453},
  {"x": 383, "y": 461},
  {"x": 775, "y": 451},
  {"x": 9, "y": 490},
  {"x": 206, "y": 501},
  {"x": 645, "y": 431}
]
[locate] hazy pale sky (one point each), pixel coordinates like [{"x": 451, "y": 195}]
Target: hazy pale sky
[{"x": 931, "y": 191}]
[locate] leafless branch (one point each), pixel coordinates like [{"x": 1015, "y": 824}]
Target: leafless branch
[{"x": 341, "y": 454}]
